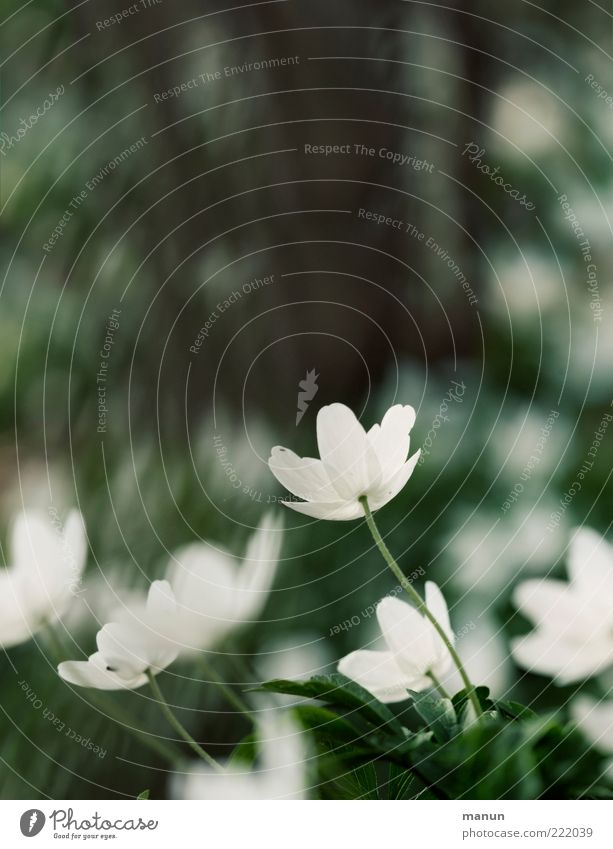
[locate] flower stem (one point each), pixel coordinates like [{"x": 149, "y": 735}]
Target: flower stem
[
  {"x": 178, "y": 727},
  {"x": 419, "y": 603},
  {"x": 230, "y": 695},
  {"x": 438, "y": 686}
]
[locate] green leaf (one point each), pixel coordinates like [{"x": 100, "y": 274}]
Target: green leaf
[
  {"x": 491, "y": 760},
  {"x": 326, "y": 724},
  {"x": 245, "y": 751},
  {"x": 367, "y": 783},
  {"x": 461, "y": 701},
  {"x": 143, "y": 795},
  {"x": 514, "y": 710},
  {"x": 438, "y": 714},
  {"x": 402, "y": 783},
  {"x": 340, "y": 692}
]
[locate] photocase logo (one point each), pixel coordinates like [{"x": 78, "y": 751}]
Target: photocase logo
[
  {"x": 32, "y": 822},
  {"x": 308, "y": 390}
]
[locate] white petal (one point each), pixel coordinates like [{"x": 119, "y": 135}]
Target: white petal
[
  {"x": 385, "y": 492},
  {"x": 282, "y": 747},
  {"x": 92, "y": 673},
  {"x": 75, "y": 543},
  {"x": 15, "y": 630},
  {"x": 346, "y": 452},
  {"x": 546, "y": 601},
  {"x": 257, "y": 572},
  {"x": 302, "y": 476},
  {"x": 203, "y": 783},
  {"x": 161, "y": 602},
  {"x": 38, "y": 559},
  {"x": 204, "y": 581},
  {"x": 391, "y": 439},
  {"x": 265, "y": 542},
  {"x": 378, "y": 672},
  {"x": 15, "y": 625},
  {"x": 128, "y": 649},
  {"x": 590, "y": 562},
  {"x": 339, "y": 510},
  {"x": 408, "y": 635},
  {"x": 438, "y": 607},
  {"x": 595, "y": 719},
  {"x": 33, "y": 536},
  {"x": 436, "y": 604},
  {"x": 203, "y": 578},
  {"x": 567, "y": 662}
]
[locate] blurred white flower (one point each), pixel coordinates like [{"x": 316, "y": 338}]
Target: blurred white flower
[
  {"x": 129, "y": 648},
  {"x": 47, "y": 560},
  {"x": 102, "y": 597},
  {"x": 527, "y": 120},
  {"x": 595, "y": 719},
  {"x": 216, "y": 592},
  {"x": 280, "y": 774},
  {"x": 294, "y": 656},
  {"x": 574, "y": 621},
  {"x": 415, "y": 649},
  {"x": 484, "y": 652},
  {"x": 524, "y": 285},
  {"x": 485, "y": 550},
  {"x": 353, "y": 464}
]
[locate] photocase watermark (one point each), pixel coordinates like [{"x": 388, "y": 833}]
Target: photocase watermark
[
  {"x": 429, "y": 242},
  {"x": 229, "y": 71},
  {"x": 236, "y": 481},
  {"x": 586, "y": 467},
  {"x": 586, "y": 252},
  {"x": 79, "y": 199},
  {"x": 476, "y": 154},
  {"x": 64, "y": 818},
  {"x": 601, "y": 92},
  {"x": 307, "y": 390},
  {"x": 112, "y": 325},
  {"x": 32, "y": 822},
  {"x": 59, "y": 725},
  {"x": 395, "y": 157},
  {"x": 224, "y": 305},
  {"x": 9, "y": 141},
  {"x": 454, "y": 395},
  {"x": 532, "y": 463},
  {"x": 372, "y": 608},
  {"x": 119, "y": 17}
]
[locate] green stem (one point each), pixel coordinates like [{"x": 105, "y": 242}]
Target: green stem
[
  {"x": 178, "y": 727},
  {"x": 230, "y": 695},
  {"x": 419, "y": 603},
  {"x": 438, "y": 686}
]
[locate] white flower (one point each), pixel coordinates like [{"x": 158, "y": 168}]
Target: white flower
[
  {"x": 414, "y": 649},
  {"x": 130, "y": 647},
  {"x": 216, "y": 592},
  {"x": 574, "y": 621},
  {"x": 46, "y": 567},
  {"x": 595, "y": 719},
  {"x": 353, "y": 464},
  {"x": 280, "y": 774}
]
